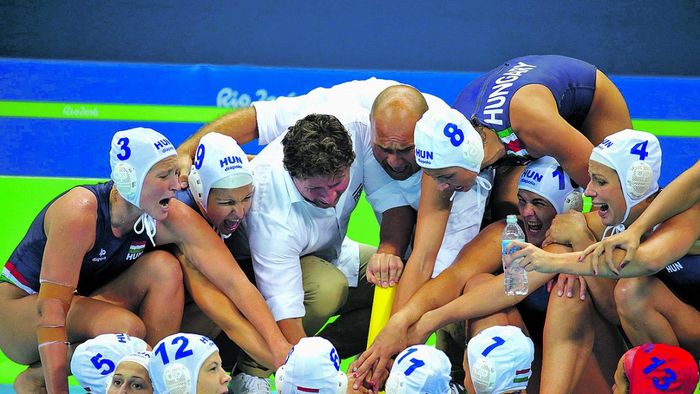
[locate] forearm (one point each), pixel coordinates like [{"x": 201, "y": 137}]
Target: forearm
[
  {"x": 52, "y": 335},
  {"x": 293, "y": 329},
  {"x": 483, "y": 299},
  {"x": 396, "y": 230},
  {"x": 583, "y": 241},
  {"x": 226, "y": 316},
  {"x": 240, "y": 124},
  {"x": 433, "y": 294},
  {"x": 430, "y": 230},
  {"x": 643, "y": 264},
  {"x": 255, "y": 309},
  {"x": 250, "y": 340},
  {"x": 414, "y": 276}
]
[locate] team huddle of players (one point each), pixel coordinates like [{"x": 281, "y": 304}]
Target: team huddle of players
[{"x": 199, "y": 242}]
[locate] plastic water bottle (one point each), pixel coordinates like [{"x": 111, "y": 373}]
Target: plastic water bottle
[{"x": 515, "y": 277}]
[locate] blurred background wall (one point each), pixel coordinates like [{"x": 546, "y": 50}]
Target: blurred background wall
[{"x": 650, "y": 37}]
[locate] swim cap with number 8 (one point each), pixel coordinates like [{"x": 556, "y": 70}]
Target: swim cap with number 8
[{"x": 445, "y": 138}]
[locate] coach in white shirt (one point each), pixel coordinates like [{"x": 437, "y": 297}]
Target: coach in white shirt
[{"x": 307, "y": 183}]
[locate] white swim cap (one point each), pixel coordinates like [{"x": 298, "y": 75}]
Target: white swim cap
[
  {"x": 176, "y": 361},
  {"x": 141, "y": 358},
  {"x": 547, "y": 178},
  {"x": 95, "y": 360},
  {"x": 445, "y": 138},
  {"x": 636, "y": 157},
  {"x": 420, "y": 369},
  {"x": 312, "y": 366},
  {"x": 133, "y": 153},
  {"x": 218, "y": 163},
  {"x": 500, "y": 358}
]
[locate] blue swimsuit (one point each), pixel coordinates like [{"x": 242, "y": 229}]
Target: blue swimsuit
[
  {"x": 487, "y": 98},
  {"x": 683, "y": 279},
  {"x": 109, "y": 257}
]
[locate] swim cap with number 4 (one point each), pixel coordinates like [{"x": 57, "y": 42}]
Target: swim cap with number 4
[
  {"x": 636, "y": 157},
  {"x": 445, "y": 138}
]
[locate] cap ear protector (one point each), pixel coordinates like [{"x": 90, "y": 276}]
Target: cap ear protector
[
  {"x": 176, "y": 378},
  {"x": 573, "y": 200},
  {"x": 640, "y": 178},
  {"x": 395, "y": 385},
  {"x": 281, "y": 385},
  {"x": 485, "y": 375},
  {"x": 197, "y": 187},
  {"x": 125, "y": 180}
]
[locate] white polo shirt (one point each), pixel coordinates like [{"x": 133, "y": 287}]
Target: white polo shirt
[
  {"x": 282, "y": 226},
  {"x": 383, "y": 192}
]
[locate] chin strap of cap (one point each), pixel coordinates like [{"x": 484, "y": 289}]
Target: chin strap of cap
[
  {"x": 613, "y": 230},
  {"x": 147, "y": 223}
]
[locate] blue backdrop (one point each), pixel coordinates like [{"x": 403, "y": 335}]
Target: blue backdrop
[{"x": 75, "y": 140}]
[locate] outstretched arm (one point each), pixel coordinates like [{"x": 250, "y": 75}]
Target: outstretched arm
[
  {"x": 482, "y": 254},
  {"x": 224, "y": 314},
  {"x": 209, "y": 255},
  {"x": 430, "y": 229},
  {"x": 671, "y": 240},
  {"x": 484, "y": 299}
]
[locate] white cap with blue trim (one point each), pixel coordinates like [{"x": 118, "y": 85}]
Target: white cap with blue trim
[
  {"x": 636, "y": 157},
  {"x": 95, "y": 360},
  {"x": 218, "y": 163},
  {"x": 133, "y": 153},
  {"x": 445, "y": 138},
  {"x": 312, "y": 366},
  {"x": 176, "y": 361},
  {"x": 547, "y": 178},
  {"x": 500, "y": 360},
  {"x": 420, "y": 369}
]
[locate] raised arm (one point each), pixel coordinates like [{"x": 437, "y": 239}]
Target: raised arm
[
  {"x": 432, "y": 219},
  {"x": 60, "y": 268},
  {"x": 200, "y": 244}
]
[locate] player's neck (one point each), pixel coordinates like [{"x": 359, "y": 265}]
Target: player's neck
[
  {"x": 493, "y": 148},
  {"x": 122, "y": 214}
]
